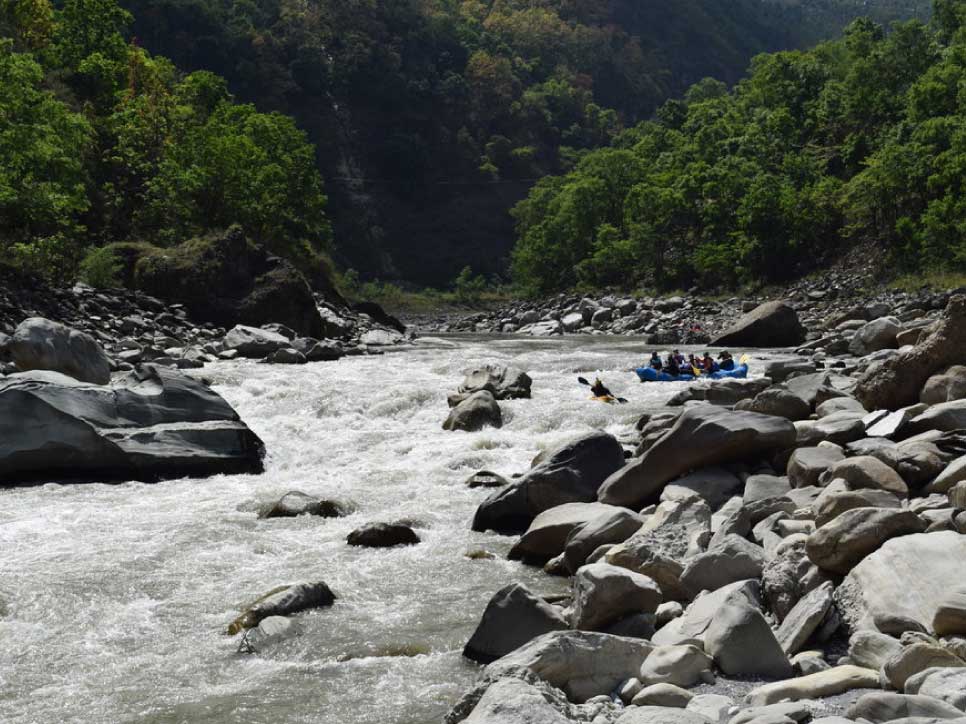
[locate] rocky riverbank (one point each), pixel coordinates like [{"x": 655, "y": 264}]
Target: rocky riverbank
[
  {"x": 133, "y": 327},
  {"x": 804, "y": 533},
  {"x": 827, "y": 310}
]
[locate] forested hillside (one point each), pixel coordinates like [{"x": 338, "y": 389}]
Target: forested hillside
[
  {"x": 101, "y": 142},
  {"x": 432, "y": 117},
  {"x": 861, "y": 138}
]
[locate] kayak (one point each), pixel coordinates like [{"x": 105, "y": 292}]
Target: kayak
[
  {"x": 649, "y": 374},
  {"x": 609, "y": 399}
]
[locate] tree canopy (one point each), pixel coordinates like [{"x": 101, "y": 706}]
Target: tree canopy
[{"x": 861, "y": 138}]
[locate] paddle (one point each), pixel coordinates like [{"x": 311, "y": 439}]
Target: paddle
[{"x": 584, "y": 382}]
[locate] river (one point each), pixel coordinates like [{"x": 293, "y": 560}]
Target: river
[{"x": 114, "y": 598}]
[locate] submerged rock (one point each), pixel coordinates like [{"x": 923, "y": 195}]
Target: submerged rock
[
  {"x": 383, "y": 535},
  {"x": 504, "y": 383},
  {"x": 283, "y": 601},
  {"x": 297, "y": 503}
]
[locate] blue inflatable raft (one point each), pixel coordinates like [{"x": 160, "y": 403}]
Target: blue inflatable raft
[{"x": 649, "y": 374}]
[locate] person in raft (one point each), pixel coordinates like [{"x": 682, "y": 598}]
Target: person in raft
[
  {"x": 709, "y": 364},
  {"x": 727, "y": 361},
  {"x": 656, "y": 361}
]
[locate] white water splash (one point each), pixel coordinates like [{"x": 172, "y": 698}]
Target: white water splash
[{"x": 114, "y": 598}]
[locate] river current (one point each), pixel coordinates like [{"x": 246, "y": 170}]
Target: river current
[{"x": 114, "y": 598}]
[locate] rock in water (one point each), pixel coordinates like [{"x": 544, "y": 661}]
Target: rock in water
[
  {"x": 773, "y": 324},
  {"x": 150, "y": 424},
  {"x": 898, "y": 381},
  {"x": 504, "y": 383},
  {"x": 283, "y": 601},
  {"x": 572, "y": 473},
  {"x": 39, "y": 344},
  {"x": 477, "y": 411},
  {"x": 513, "y": 617},
  {"x": 297, "y": 503},
  {"x": 383, "y": 535},
  {"x": 701, "y": 436},
  {"x": 269, "y": 631}
]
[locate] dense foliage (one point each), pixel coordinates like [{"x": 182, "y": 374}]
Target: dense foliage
[
  {"x": 432, "y": 117},
  {"x": 859, "y": 138},
  {"x": 100, "y": 141}
]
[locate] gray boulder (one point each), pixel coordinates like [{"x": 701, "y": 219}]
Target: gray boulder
[
  {"x": 702, "y": 436},
  {"x": 943, "y": 683},
  {"x": 945, "y": 387},
  {"x": 611, "y": 527},
  {"x": 773, "y": 324},
  {"x": 806, "y": 464},
  {"x": 950, "y": 616},
  {"x": 513, "y": 617},
  {"x": 743, "y": 644},
  {"x": 679, "y": 664},
  {"x": 778, "y": 402},
  {"x": 151, "y": 423},
  {"x": 907, "y": 577},
  {"x": 40, "y": 344},
  {"x": 661, "y": 715},
  {"x": 504, "y": 383},
  {"x": 839, "y": 545},
  {"x": 477, "y": 411},
  {"x": 604, "y": 594},
  {"x": 254, "y": 342},
  {"x": 382, "y": 535},
  {"x": 867, "y": 472},
  {"x": 805, "y": 618},
  {"x": 732, "y": 559},
  {"x": 883, "y": 706},
  {"x": 583, "y": 664},
  {"x": 548, "y": 533},
  {"x": 875, "y": 335},
  {"x": 570, "y": 474},
  {"x": 715, "y": 485},
  {"x": 693, "y": 624}
]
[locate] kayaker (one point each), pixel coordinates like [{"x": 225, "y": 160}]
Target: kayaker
[
  {"x": 709, "y": 364},
  {"x": 727, "y": 363},
  {"x": 599, "y": 389},
  {"x": 656, "y": 361}
]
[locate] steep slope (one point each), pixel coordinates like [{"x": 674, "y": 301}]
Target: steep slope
[{"x": 432, "y": 117}]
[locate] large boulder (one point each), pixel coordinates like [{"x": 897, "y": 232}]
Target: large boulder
[
  {"x": 693, "y": 624},
  {"x": 773, "y": 324},
  {"x": 807, "y": 464},
  {"x": 39, "y": 344},
  {"x": 504, "y": 383},
  {"x": 477, "y": 411},
  {"x": 513, "y": 617},
  {"x": 226, "y": 279},
  {"x": 731, "y": 559},
  {"x": 884, "y": 706},
  {"x": 865, "y": 472},
  {"x": 548, "y": 533},
  {"x": 383, "y": 535},
  {"x": 908, "y": 577},
  {"x": 841, "y": 543},
  {"x": 253, "y": 342},
  {"x": 743, "y": 644},
  {"x": 875, "y": 335},
  {"x": 583, "y": 664},
  {"x": 604, "y": 594},
  {"x": 149, "y": 424},
  {"x": 897, "y": 382},
  {"x": 945, "y": 387},
  {"x": 702, "y": 436},
  {"x": 679, "y": 664},
  {"x": 612, "y": 527},
  {"x": 513, "y": 700},
  {"x": 950, "y": 616},
  {"x": 572, "y": 473}
]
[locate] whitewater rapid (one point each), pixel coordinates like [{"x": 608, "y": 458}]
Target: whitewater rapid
[{"x": 114, "y": 598}]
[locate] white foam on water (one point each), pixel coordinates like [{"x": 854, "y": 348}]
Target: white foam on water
[{"x": 114, "y": 598}]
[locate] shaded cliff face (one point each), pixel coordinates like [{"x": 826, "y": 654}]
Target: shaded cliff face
[{"x": 432, "y": 119}]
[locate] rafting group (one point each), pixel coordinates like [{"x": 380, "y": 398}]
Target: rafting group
[{"x": 678, "y": 368}]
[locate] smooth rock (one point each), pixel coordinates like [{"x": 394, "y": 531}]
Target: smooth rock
[
  {"x": 383, "y": 535},
  {"x": 883, "y": 706},
  {"x": 477, "y": 411},
  {"x": 830, "y": 682},
  {"x": 773, "y": 324},
  {"x": 743, "y": 644},
  {"x": 548, "y": 533},
  {"x": 681, "y": 665},
  {"x": 842, "y": 543},
  {"x": 513, "y": 617},
  {"x": 40, "y": 344},
  {"x": 805, "y": 618},
  {"x": 283, "y": 601},
  {"x": 603, "y": 594}
]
